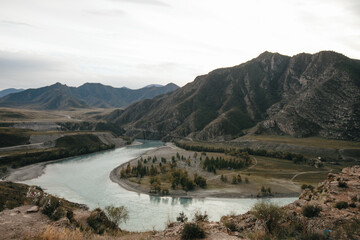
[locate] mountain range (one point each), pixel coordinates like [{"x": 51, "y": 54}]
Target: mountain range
[
  {"x": 304, "y": 95},
  {"x": 60, "y": 97}
]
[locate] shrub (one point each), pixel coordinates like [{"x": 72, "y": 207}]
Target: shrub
[
  {"x": 341, "y": 205},
  {"x": 51, "y": 204},
  {"x": 311, "y": 211},
  {"x": 342, "y": 184},
  {"x": 230, "y": 225},
  {"x": 199, "y": 217},
  {"x": 192, "y": 231},
  {"x": 182, "y": 217},
  {"x": 99, "y": 222},
  {"x": 200, "y": 181},
  {"x": 269, "y": 213},
  {"x": 352, "y": 205},
  {"x": 117, "y": 214}
]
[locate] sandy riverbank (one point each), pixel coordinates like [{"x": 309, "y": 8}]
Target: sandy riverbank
[{"x": 243, "y": 191}]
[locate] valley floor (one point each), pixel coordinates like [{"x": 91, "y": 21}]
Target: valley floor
[{"x": 278, "y": 175}]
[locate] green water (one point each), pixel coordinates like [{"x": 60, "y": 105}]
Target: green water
[{"x": 85, "y": 179}]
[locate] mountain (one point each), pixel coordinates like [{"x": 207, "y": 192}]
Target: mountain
[
  {"x": 8, "y": 91},
  {"x": 58, "y": 96},
  {"x": 303, "y": 95}
]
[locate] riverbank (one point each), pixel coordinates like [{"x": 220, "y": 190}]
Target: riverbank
[
  {"x": 35, "y": 170},
  {"x": 216, "y": 188}
]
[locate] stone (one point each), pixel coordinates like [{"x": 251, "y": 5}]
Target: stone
[{"x": 33, "y": 209}]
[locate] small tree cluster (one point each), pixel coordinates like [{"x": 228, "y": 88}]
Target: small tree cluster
[
  {"x": 179, "y": 177},
  {"x": 200, "y": 181},
  {"x": 236, "y": 179}
]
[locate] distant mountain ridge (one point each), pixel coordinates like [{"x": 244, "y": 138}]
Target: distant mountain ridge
[
  {"x": 59, "y": 96},
  {"x": 8, "y": 91},
  {"x": 303, "y": 95}
]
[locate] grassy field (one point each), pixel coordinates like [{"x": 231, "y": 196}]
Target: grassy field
[
  {"x": 310, "y": 141},
  {"x": 281, "y": 175}
]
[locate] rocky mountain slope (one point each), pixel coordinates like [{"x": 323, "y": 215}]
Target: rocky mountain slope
[
  {"x": 59, "y": 97},
  {"x": 303, "y": 95}
]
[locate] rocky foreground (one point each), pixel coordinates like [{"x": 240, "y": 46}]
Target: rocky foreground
[{"x": 330, "y": 209}]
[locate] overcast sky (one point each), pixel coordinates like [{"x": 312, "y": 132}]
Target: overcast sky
[{"x": 134, "y": 43}]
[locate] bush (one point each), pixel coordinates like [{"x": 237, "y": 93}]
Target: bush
[
  {"x": 269, "y": 213},
  {"x": 199, "y": 217},
  {"x": 117, "y": 214},
  {"x": 182, "y": 217},
  {"x": 311, "y": 211},
  {"x": 200, "y": 181},
  {"x": 192, "y": 231},
  {"x": 341, "y": 205},
  {"x": 342, "y": 184},
  {"x": 352, "y": 205},
  {"x": 230, "y": 225},
  {"x": 99, "y": 221}
]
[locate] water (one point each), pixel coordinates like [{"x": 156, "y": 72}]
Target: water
[{"x": 85, "y": 179}]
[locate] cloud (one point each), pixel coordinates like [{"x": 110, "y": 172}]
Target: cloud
[
  {"x": 149, "y": 2},
  {"x": 31, "y": 71},
  {"x": 6, "y": 22},
  {"x": 116, "y": 12}
]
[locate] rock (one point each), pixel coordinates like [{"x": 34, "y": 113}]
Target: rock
[{"x": 33, "y": 209}]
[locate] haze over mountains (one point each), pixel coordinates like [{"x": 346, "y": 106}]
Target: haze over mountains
[
  {"x": 61, "y": 97},
  {"x": 303, "y": 95}
]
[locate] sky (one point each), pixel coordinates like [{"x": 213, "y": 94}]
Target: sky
[{"x": 135, "y": 43}]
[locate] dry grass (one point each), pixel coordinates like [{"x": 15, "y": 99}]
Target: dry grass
[{"x": 55, "y": 233}]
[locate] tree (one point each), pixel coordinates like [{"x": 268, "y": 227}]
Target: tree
[
  {"x": 117, "y": 214},
  {"x": 234, "y": 180}
]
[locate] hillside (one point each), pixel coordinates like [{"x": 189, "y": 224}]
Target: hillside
[
  {"x": 60, "y": 97},
  {"x": 8, "y": 91},
  {"x": 304, "y": 95}
]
